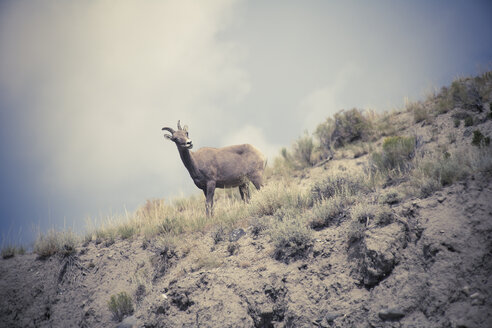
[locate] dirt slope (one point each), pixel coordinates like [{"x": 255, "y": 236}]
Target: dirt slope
[
  {"x": 430, "y": 269},
  {"x": 430, "y": 266}
]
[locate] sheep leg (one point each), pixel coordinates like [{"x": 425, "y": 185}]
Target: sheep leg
[
  {"x": 244, "y": 191},
  {"x": 210, "y": 198}
]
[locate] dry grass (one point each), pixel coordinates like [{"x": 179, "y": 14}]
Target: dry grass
[
  {"x": 285, "y": 210},
  {"x": 56, "y": 242},
  {"x": 291, "y": 237},
  {"x": 120, "y": 305},
  {"x": 277, "y": 195},
  {"x": 9, "y": 251},
  {"x": 420, "y": 113}
]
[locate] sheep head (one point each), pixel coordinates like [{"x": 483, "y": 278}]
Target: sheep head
[{"x": 180, "y": 136}]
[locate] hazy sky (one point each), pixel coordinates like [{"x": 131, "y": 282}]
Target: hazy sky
[{"x": 86, "y": 86}]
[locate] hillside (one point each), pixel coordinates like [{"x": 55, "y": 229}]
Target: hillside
[{"x": 376, "y": 220}]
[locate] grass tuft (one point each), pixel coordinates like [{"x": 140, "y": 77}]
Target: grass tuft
[
  {"x": 56, "y": 242},
  {"x": 276, "y": 195},
  {"x": 396, "y": 154},
  {"x": 338, "y": 184},
  {"x": 328, "y": 212},
  {"x": 120, "y": 305},
  {"x": 480, "y": 140},
  {"x": 291, "y": 238}
]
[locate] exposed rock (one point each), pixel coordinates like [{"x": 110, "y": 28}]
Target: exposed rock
[
  {"x": 377, "y": 253},
  {"x": 180, "y": 298},
  {"x": 391, "y": 314},
  {"x": 236, "y": 234},
  {"x": 128, "y": 322}
]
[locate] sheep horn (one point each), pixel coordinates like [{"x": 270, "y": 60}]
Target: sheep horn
[
  {"x": 179, "y": 126},
  {"x": 169, "y": 129}
]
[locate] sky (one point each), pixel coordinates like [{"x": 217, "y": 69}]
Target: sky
[{"x": 86, "y": 86}]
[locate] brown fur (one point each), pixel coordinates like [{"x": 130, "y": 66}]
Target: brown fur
[{"x": 210, "y": 168}]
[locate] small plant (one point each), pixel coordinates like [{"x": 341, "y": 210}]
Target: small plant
[
  {"x": 457, "y": 123},
  {"x": 391, "y": 197},
  {"x": 207, "y": 262},
  {"x": 479, "y": 139},
  {"x": 350, "y": 126},
  {"x": 324, "y": 132},
  {"x": 126, "y": 230},
  {"x": 257, "y": 226},
  {"x": 397, "y": 153},
  {"x": 434, "y": 172},
  {"x": 233, "y": 248},
  {"x": 420, "y": 113},
  {"x": 342, "y": 184},
  {"x": 8, "y": 251},
  {"x": 109, "y": 241},
  {"x": 292, "y": 239},
  {"x": 356, "y": 232},
  {"x": 363, "y": 213},
  {"x": 219, "y": 234},
  {"x": 329, "y": 211},
  {"x": 427, "y": 186},
  {"x": 120, "y": 305},
  {"x": 277, "y": 195},
  {"x": 444, "y": 102},
  {"x": 466, "y": 93},
  {"x": 303, "y": 151},
  {"x": 55, "y": 242},
  {"x": 469, "y": 121}
]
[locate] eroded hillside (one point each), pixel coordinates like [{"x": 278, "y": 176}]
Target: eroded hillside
[{"x": 374, "y": 221}]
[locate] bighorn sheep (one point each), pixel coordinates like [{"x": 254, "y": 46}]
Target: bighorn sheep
[{"x": 210, "y": 168}]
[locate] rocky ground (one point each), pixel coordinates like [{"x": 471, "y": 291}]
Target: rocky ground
[{"x": 431, "y": 268}]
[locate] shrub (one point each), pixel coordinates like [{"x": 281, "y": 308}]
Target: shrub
[
  {"x": 350, "y": 126},
  {"x": 427, "y": 186},
  {"x": 8, "y": 251},
  {"x": 391, "y": 197},
  {"x": 324, "y": 132},
  {"x": 479, "y": 139},
  {"x": 419, "y": 112},
  {"x": 303, "y": 151},
  {"x": 363, "y": 213},
  {"x": 219, "y": 234},
  {"x": 55, "y": 242},
  {"x": 434, "y": 172},
  {"x": 345, "y": 127},
  {"x": 257, "y": 226},
  {"x": 444, "y": 101},
  {"x": 207, "y": 261},
  {"x": 465, "y": 93},
  {"x": 368, "y": 214},
  {"x": 327, "y": 212},
  {"x": 397, "y": 153},
  {"x": 126, "y": 230},
  {"x": 277, "y": 195},
  {"x": 120, "y": 305},
  {"x": 291, "y": 238},
  {"x": 342, "y": 184},
  {"x": 468, "y": 121},
  {"x": 457, "y": 123}
]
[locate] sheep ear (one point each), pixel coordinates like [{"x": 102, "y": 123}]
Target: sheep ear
[
  {"x": 168, "y": 136},
  {"x": 185, "y": 128}
]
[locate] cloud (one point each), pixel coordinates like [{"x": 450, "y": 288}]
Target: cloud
[
  {"x": 255, "y": 136},
  {"x": 92, "y": 83},
  {"x": 329, "y": 99}
]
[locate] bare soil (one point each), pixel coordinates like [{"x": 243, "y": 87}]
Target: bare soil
[{"x": 431, "y": 267}]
